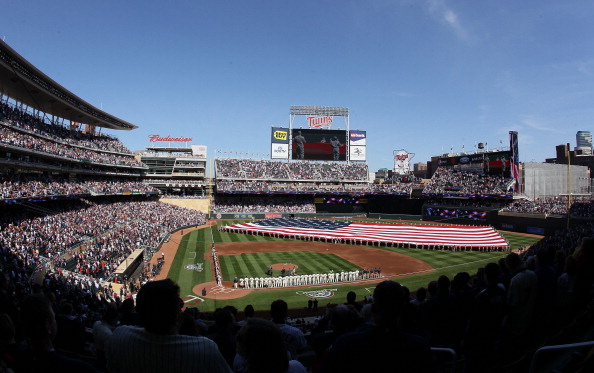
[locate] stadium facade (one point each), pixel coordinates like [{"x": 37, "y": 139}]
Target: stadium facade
[
  {"x": 175, "y": 169},
  {"x": 543, "y": 180}
]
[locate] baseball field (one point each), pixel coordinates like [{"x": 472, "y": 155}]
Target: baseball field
[{"x": 189, "y": 263}]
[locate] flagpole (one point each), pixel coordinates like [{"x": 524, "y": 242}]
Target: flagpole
[{"x": 568, "y": 183}]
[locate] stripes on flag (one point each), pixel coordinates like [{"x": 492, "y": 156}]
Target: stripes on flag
[{"x": 436, "y": 235}]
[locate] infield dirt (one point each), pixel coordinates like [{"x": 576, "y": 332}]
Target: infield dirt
[{"x": 391, "y": 264}]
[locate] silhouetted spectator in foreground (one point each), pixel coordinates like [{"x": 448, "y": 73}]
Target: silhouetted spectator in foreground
[
  {"x": 294, "y": 338},
  {"x": 261, "y": 349},
  {"x": 158, "y": 347},
  {"x": 224, "y": 335},
  {"x": 40, "y": 328},
  {"x": 339, "y": 319},
  {"x": 584, "y": 256},
  {"x": 384, "y": 346},
  {"x": 102, "y": 331},
  {"x": 248, "y": 313},
  {"x": 8, "y": 346},
  {"x": 351, "y": 301},
  {"x": 521, "y": 297},
  {"x": 441, "y": 312},
  {"x": 71, "y": 330},
  {"x": 187, "y": 324},
  {"x": 484, "y": 325},
  {"x": 128, "y": 315}
]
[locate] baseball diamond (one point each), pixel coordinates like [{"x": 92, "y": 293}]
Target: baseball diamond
[{"x": 411, "y": 267}]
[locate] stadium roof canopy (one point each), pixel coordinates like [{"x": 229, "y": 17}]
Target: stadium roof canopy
[{"x": 23, "y": 82}]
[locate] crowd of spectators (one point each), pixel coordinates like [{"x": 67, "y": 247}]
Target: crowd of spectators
[
  {"x": 247, "y": 175},
  {"x": 313, "y": 187},
  {"x": 253, "y": 169},
  {"x": 21, "y": 129},
  {"x": 98, "y": 236},
  {"x": 548, "y": 205},
  {"x": 176, "y": 182},
  {"x": 20, "y": 186},
  {"x": 119, "y": 186},
  {"x": 400, "y": 188},
  {"x": 13, "y": 137},
  {"x": 246, "y": 203},
  {"x": 580, "y": 206},
  {"x": 448, "y": 180},
  {"x": 14, "y": 186},
  {"x": 35, "y": 125},
  {"x": 492, "y": 203}
]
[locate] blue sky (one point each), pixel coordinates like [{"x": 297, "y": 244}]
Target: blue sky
[{"x": 424, "y": 76}]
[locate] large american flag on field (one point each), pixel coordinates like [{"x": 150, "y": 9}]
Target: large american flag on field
[{"x": 435, "y": 235}]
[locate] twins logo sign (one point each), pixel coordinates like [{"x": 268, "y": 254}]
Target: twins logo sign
[{"x": 322, "y": 293}]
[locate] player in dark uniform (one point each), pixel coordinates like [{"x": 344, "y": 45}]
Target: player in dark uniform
[
  {"x": 300, "y": 142},
  {"x": 335, "y": 148}
]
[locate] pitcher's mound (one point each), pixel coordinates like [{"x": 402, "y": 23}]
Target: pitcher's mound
[{"x": 287, "y": 266}]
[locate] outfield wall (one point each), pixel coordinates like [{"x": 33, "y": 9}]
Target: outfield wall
[
  {"x": 540, "y": 224},
  {"x": 276, "y": 215}
]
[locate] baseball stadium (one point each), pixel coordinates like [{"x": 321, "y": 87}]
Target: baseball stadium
[{"x": 89, "y": 223}]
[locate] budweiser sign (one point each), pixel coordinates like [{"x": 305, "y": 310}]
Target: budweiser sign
[
  {"x": 317, "y": 122},
  {"x": 155, "y": 138}
]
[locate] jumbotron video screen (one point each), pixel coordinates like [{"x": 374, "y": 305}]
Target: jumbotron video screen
[{"x": 319, "y": 145}]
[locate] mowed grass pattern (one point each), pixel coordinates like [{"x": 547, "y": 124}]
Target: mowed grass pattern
[
  {"x": 256, "y": 264},
  {"x": 444, "y": 262}
]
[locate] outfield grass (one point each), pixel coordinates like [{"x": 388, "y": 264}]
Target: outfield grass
[
  {"x": 255, "y": 264},
  {"x": 194, "y": 245}
]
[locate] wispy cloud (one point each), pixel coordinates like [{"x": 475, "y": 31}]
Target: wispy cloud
[
  {"x": 444, "y": 14},
  {"x": 402, "y": 94},
  {"x": 534, "y": 123},
  {"x": 585, "y": 67}
]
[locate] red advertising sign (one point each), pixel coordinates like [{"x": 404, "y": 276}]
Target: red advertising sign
[
  {"x": 155, "y": 138},
  {"x": 317, "y": 122}
]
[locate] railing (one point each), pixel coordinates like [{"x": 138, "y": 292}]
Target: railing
[
  {"x": 546, "y": 350},
  {"x": 447, "y": 359}
]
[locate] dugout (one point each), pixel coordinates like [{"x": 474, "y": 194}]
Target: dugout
[{"x": 129, "y": 265}]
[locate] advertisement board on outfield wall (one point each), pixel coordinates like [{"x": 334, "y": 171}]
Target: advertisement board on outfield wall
[
  {"x": 319, "y": 144},
  {"x": 357, "y": 153},
  {"x": 358, "y": 137}
]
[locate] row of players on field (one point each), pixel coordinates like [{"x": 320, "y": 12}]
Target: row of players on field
[{"x": 301, "y": 280}]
